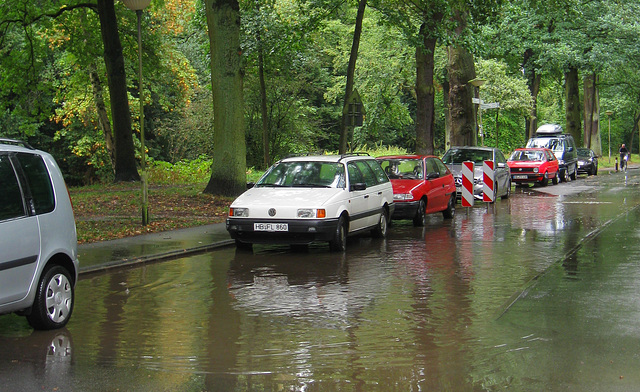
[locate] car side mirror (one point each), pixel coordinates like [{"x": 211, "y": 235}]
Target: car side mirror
[
  {"x": 250, "y": 185},
  {"x": 431, "y": 176},
  {"x": 360, "y": 186}
]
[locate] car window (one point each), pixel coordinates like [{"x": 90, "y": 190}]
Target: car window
[
  {"x": 11, "y": 205},
  {"x": 441, "y": 167},
  {"x": 375, "y": 166},
  {"x": 432, "y": 168},
  {"x": 39, "y": 182},
  {"x": 500, "y": 157},
  {"x": 304, "y": 174},
  {"x": 403, "y": 168},
  {"x": 550, "y": 143},
  {"x": 367, "y": 173},
  {"x": 355, "y": 177}
]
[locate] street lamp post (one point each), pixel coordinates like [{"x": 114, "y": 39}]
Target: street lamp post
[
  {"x": 138, "y": 6},
  {"x": 609, "y": 113},
  {"x": 477, "y": 83}
]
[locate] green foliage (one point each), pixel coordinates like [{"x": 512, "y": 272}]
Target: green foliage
[
  {"x": 197, "y": 170},
  {"x": 47, "y": 98}
]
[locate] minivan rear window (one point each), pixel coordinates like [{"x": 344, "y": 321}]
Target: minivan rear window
[{"x": 39, "y": 182}]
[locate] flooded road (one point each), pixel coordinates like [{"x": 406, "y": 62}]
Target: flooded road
[{"x": 539, "y": 292}]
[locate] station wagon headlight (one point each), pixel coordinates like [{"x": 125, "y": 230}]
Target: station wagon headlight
[
  {"x": 535, "y": 169},
  {"x": 402, "y": 196},
  {"x": 312, "y": 213},
  {"x": 241, "y": 212}
]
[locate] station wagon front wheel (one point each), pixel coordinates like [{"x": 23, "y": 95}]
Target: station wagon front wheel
[{"x": 339, "y": 241}]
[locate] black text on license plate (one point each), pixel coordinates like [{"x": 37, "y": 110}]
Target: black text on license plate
[
  {"x": 270, "y": 227},
  {"x": 520, "y": 177}
]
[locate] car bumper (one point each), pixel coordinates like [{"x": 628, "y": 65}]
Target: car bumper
[
  {"x": 529, "y": 177},
  {"x": 478, "y": 191},
  {"x": 405, "y": 209},
  {"x": 585, "y": 168},
  {"x": 298, "y": 231}
]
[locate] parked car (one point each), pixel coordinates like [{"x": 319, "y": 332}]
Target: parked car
[
  {"x": 563, "y": 146},
  {"x": 587, "y": 161},
  {"x": 304, "y": 199},
  {"x": 39, "y": 259},
  {"x": 454, "y": 157},
  {"x": 422, "y": 185},
  {"x": 533, "y": 165}
]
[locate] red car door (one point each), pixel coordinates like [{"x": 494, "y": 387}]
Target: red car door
[{"x": 436, "y": 186}]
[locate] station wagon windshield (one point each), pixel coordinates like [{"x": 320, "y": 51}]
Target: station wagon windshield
[{"x": 304, "y": 175}]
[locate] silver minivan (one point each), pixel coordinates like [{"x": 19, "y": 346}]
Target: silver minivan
[{"x": 38, "y": 241}]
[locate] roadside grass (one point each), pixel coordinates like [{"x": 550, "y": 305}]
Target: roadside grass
[
  {"x": 603, "y": 161},
  {"x": 111, "y": 211}
]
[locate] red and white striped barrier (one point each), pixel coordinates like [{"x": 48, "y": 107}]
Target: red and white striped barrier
[
  {"x": 488, "y": 177},
  {"x": 467, "y": 184}
]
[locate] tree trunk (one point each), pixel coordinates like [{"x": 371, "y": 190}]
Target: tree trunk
[
  {"x": 263, "y": 103},
  {"x": 592, "y": 114},
  {"x": 351, "y": 69},
  {"x": 125, "y": 159},
  {"x": 461, "y": 70},
  {"x": 228, "y": 170},
  {"x": 572, "y": 98},
  {"x": 445, "y": 104},
  {"x": 533, "y": 82},
  {"x": 103, "y": 116},
  {"x": 425, "y": 93}
]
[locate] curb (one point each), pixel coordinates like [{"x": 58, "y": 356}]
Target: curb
[{"x": 149, "y": 259}]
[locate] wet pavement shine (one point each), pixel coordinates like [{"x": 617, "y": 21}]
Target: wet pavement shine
[{"x": 538, "y": 292}]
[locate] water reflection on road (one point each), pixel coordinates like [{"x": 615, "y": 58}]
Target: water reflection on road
[{"x": 430, "y": 308}]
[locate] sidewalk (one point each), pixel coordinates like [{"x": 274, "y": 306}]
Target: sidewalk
[{"x": 105, "y": 255}]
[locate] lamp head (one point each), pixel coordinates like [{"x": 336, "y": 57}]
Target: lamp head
[{"x": 136, "y": 5}]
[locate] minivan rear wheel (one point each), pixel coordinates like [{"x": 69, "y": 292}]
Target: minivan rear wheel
[{"x": 53, "y": 304}]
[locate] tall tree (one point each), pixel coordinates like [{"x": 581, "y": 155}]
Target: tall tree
[
  {"x": 460, "y": 70},
  {"x": 573, "y": 124},
  {"x": 125, "y": 165},
  {"x": 425, "y": 89},
  {"x": 351, "y": 70},
  {"x": 228, "y": 171},
  {"x": 591, "y": 113}
]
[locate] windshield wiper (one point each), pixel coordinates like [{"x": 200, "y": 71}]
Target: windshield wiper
[
  {"x": 311, "y": 186},
  {"x": 271, "y": 185}
]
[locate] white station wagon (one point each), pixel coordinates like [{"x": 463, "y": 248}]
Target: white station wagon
[{"x": 304, "y": 199}]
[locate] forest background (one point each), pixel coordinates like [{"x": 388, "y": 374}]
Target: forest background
[{"x": 69, "y": 82}]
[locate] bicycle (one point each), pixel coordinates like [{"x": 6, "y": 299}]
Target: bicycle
[{"x": 624, "y": 162}]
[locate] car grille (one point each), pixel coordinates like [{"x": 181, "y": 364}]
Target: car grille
[{"x": 522, "y": 170}]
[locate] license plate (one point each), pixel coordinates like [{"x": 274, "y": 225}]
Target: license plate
[
  {"x": 271, "y": 227},
  {"x": 520, "y": 177}
]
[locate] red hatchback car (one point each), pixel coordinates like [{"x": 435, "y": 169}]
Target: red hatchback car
[
  {"x": 422, "y": 185},
  {"x": 533, "y": 165}
]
